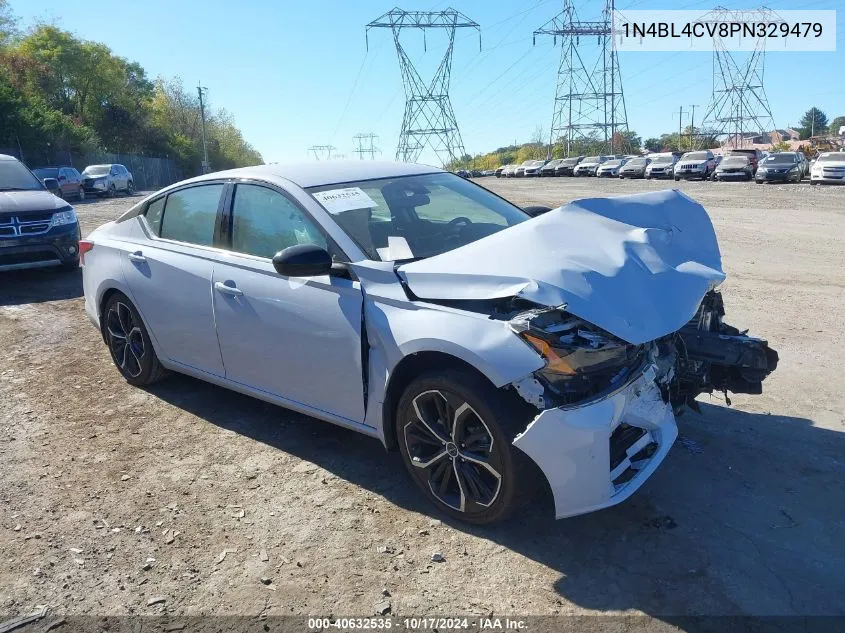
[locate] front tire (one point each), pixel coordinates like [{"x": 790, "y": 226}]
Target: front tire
[
  {"x": 129, "y": 344},
  {"x": 455, "y": 432},
  {"x": 81, "y": 194}
]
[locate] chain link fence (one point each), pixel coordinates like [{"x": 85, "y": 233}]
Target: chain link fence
[{"x": 148, "y": 172}]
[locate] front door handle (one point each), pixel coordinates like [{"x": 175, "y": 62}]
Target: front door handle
[
  {"x": 137, "y": 257},
  {"x": 232, "y": 291}
]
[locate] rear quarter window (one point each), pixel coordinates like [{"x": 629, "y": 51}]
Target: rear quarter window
[{"x": 153, "y": 214}]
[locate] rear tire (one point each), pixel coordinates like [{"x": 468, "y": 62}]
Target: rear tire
[
  {"x": 455, "y": 432},
  {"x": 129, "y": 343}
]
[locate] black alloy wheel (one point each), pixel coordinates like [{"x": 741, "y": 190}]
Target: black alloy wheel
[
  {"x": 129, "y": 343},
  {"x": 455, "y": 433}
]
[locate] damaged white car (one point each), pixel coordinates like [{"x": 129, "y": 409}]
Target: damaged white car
[{"x": 491, "y": 348}]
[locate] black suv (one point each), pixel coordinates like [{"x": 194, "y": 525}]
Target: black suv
[{"x": 37, "y": 229}]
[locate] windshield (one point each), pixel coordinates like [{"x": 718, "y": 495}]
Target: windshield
[
  {"x": 735, "y": 161},
  {"x": 46, "y": 172},
  {"x": 96, "y": 170},
  {"x": 15, "y": 177},
  {"x": 829, "y": 158},
  {"x": 780, "y": 159},
  {"x": 413, "y": 217},
  {"x": 570, "y": 161},
  {"x": 591, "y": 159},
  {"x": 662, "y": 159},
  {"x": 638, "y": 162},
  {"x": 694, "y": 156},
  {"x": 613, "y": 163}
]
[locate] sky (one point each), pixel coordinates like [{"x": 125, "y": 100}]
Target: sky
[{"x": 298, "y": 74}]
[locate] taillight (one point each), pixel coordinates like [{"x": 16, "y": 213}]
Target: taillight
[{"x": 84, "y": 247}]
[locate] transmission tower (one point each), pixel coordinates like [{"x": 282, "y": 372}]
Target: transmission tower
[
  {"x": 589, "y": 104},
  {"x": 322, "y": 152},
  {"x": 365, "y": 144},
  {"x": 429, "y": 118},
  {"x": 738, "y": 104}
]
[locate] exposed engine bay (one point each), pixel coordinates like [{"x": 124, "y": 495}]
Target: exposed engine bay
[{"x": 583, "y": 361}]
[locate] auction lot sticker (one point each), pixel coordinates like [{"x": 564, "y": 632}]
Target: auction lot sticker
[
  {"x": 340, "y": 200},
  {"x": 739, "y": 30}
]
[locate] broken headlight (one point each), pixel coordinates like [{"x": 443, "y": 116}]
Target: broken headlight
[{"x": 581, "y": 359}]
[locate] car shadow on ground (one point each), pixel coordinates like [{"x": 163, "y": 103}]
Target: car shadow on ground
[
  {"x": 744, "y": 517},
  {"x": 39, "y": 284}
]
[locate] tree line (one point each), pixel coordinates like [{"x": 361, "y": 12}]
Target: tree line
[{"x": 60, "y": 92}]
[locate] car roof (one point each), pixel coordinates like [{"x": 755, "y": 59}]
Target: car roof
[
  {"x": 7, "y": 157},
  {"x": 319, "y": 173}
]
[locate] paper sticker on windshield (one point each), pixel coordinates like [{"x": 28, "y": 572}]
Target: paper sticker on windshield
[{"x": 340, "y": 200}]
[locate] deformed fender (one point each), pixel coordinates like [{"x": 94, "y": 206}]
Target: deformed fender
[{"x": 572, "y": 445}]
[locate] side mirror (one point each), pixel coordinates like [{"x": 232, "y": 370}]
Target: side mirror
[
  {"x": 303, "y": 260},
  {"x": 51, "y": 184}
]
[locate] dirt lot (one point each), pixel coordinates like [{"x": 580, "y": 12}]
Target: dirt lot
[{"x": 112, "y": 496}]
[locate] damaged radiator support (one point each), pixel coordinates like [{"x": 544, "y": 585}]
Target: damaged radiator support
[{"x": 713, "y": 356}]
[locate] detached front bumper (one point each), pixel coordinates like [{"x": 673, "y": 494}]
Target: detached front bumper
[{"x": 597, "y": 454}]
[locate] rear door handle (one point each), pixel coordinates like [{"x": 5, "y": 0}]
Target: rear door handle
[
  {"x": 232, "y": 291},
  {"x": 137, "y": 257}
]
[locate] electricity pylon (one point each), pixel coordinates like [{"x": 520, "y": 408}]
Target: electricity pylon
[
  {"x": 429, "y": 118},
  {"x": 738, "y": 104},
  {"x": 589, "y": 103},
  {"x": 322, "y": 152},
  {"x": 365, "y": 144}
]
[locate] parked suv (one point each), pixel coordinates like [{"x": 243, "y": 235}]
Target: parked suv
[
  {"x": 37, "y": 229},
  {"x": 696, "y": 165},
  {"x": 69, "y": 181},
  {"x": 662, "y": 166},
  {"x": 567, "y": 166},
  {"x": 107, "y": 180}
]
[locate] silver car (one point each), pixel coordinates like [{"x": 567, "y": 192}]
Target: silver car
[
  {"x": 418, "y": 308},
  {"x": 108, "y": 180}
]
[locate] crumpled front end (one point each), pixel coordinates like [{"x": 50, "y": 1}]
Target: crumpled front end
[
  {"x": 598, "y": 453},
  {"x": 607, "y": 406}
]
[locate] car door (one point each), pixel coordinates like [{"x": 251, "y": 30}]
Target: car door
[
  {"x": 168, "y": 270},
  {"x": 65, "y": 185},
  {"x": 295, "y": 338}
]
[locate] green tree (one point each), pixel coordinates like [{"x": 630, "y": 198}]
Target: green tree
[
  {"x": 653, "y": 144},
  {"x": 8, "y": 24},
  {"x": 837, "y": 123},
  {"x": 814, "y": 122}
]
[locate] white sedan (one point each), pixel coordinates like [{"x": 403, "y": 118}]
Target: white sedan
[{"x": 417, "y": 307}]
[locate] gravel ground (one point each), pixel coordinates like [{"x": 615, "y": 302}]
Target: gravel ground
[{"x": 112, "y": 496}]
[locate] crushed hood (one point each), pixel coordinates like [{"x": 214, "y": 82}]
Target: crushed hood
[{"x": 636, "y": 266}]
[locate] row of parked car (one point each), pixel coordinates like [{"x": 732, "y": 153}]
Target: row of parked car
[
  {"x": 99, "y": 180},
  {"x": 737, "y": 164}
]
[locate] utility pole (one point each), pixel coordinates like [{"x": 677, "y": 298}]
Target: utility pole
[
  {"x": 692, "y": 125},
  {"x": 206, "y": 167},
  {"x": 680, "y": 126},
  {"x": 813, "y": 122}
]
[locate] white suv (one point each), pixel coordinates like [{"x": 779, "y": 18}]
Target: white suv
[{"x": 107, "y": 180}]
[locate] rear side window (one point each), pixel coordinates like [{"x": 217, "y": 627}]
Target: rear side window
[
  {"x": 191, "y": 214},
  {"x": 154, "y": 213}
]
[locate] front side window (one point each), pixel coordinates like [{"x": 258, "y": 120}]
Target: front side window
[
  {"x": 265, "y": 222},
  {"x": 191, "y": 214},
  {"x": 412, "y": 217},
  {"x": 15, "y": 177}
]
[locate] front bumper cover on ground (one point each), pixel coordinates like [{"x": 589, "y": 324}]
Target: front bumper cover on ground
[{"x": 597, "y": 454}]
